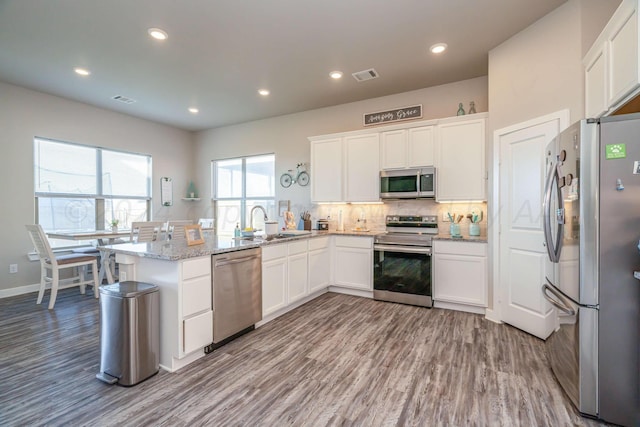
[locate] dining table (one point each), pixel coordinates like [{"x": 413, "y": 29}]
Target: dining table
[{"x": 103, "y": 238}]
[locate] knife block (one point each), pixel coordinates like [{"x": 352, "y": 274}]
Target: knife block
[{"x": 307, "y": 225}]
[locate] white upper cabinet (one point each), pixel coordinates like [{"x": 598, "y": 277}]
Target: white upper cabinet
[
  {"x": 393, "y": 149},
  {"x": 406, "y": 148},
  {"x": 326, "y": 170},
  {"x": 623, "y": 53},
  {"x": 345, "y": 168},
  {"x": 362, "y": 168},
  {"x": 596, "y": 103},
  {"x": 420, "y": 147},
  {"x": 460, "y": 160},
  {"x": 611, "y": 65}
]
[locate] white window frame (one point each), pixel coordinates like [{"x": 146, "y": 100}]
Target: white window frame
[
  {"x": 243, "y": 199},
  {"x": 99, "y": 197}
]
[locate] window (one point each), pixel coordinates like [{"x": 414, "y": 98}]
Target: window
[
  {"x": 240, "y": 184},
  {"x": 79, "y": 187}
]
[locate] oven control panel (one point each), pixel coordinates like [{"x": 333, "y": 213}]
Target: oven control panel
[
  {"x": 417, "y": 224},
  {"x": 412, "y": 220}
]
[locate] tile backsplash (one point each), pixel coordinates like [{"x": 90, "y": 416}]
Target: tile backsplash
[{"x": 375, "y": 213}]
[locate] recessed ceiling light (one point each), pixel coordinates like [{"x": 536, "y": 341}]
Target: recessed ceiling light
[
  {"x": 438, "y": 48},
  {"x": 82, "y": 71},
  {"x": 193, "y": 110},
  {"x": 157, "y": 33},
  {"x": 264, "y": 92},
  {"x": 336, "y": 74}
]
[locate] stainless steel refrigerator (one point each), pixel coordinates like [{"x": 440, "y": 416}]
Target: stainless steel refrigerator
[{"x": 592, "y": 226}]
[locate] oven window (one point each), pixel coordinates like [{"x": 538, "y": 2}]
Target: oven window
[
  {"x": 405, "y": 273},
  {"x": 398, "y": 184}
]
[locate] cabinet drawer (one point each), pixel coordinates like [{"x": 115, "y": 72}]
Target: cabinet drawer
[
  {"x": 354, "y": 242},
  {"x": 196, "y": 295},
  {"x": 298, "y": 247},
  {"x": 196, "y": 267},
  {"x": 274, "y": 251},
  {"x": 318, "y": 243},
  {"x": 197, "y": 332},
  {"x": 460, "y": 248}
]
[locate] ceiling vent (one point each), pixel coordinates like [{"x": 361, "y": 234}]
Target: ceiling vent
[
  {"x": 365, "y": 75},
  {"x": 124, "y": 99}
]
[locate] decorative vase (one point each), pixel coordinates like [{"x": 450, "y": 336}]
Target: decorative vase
[
  {"x": 114, "y": 228},
  {"x": 474, "y": 229},
  {"x": 460, "y": 110},
  {"x": 472, "y": 107},
  {"x": 454, "y": 229}
]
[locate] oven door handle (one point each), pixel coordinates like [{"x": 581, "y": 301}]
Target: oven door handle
[{"x": 403, "y": 249}]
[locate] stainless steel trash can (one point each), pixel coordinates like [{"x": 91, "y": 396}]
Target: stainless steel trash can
[{"x": 129, "y": 333}]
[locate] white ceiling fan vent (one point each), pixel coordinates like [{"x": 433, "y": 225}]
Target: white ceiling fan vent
[
  {"x": 124, "y": 99},
  {"x": 365, "y": 75}
]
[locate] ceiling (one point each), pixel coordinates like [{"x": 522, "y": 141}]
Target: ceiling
[{"x": 220, "y": 52}]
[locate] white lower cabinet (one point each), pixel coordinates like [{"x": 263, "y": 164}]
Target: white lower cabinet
[
  {"x": 298, "y": 266},
  {"x": 354, "y": 262},
  {"x": 197, "y": 331},
  {"x": 460, "y": 273},
  {"x": 197, "y": 313},
  {"x": 293, "y": 271},
  {"x": 319, "y": 264},
  {"x": 186, "y": 313},
  {"x": 274, "y": 278}
]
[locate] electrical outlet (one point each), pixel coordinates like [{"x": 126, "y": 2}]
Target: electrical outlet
[
  {"x": 13, "y": 268},
  {"x": 123, "y": 276}
]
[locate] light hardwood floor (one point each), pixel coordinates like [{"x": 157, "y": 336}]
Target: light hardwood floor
[{"x": 337, "y": 360}]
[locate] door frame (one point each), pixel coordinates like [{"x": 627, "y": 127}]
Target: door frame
[{"x": 563, "y": 117}]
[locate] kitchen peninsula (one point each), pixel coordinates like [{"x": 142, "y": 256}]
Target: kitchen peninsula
[
  {"x": 184, "y": 275},
  {"x": 295, "y": 270}
]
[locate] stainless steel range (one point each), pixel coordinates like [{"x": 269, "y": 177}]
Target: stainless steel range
[{"x": 402, "y": 260}]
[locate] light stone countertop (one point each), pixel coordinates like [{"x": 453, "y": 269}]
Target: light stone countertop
[{"x": 213, "y": 245}]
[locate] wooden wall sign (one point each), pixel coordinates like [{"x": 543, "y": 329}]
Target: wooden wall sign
[{"x": 396, "y": 115}]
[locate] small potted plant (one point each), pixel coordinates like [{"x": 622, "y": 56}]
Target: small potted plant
[{"x": 114, "y": 225}]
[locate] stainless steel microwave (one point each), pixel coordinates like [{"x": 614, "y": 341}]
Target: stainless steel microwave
[{"x": 408, "y": 183}]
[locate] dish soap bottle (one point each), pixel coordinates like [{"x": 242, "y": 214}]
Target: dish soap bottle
[{"x": 236, "y": 232}]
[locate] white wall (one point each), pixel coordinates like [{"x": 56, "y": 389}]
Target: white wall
[
  {"x": 25, "y": 114},
  {"x": 539, "y": 70},
  {"x": 286, "y": 136}
]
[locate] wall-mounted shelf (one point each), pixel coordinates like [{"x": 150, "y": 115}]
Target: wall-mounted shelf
[{"x": 191, "y": 199}]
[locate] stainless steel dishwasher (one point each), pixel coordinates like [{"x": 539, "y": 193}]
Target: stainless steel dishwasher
[{"x": 237, "y": 293}]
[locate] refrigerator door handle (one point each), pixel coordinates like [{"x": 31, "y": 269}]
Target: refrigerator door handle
[
  {"x": 553, "y": 248},
  {"x": 561, "y": 303}
]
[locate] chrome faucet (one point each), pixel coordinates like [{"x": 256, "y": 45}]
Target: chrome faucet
[{"x": 251, "y": 214}]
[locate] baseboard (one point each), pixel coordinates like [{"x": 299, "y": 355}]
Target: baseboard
[
  {"x": 349, "y": 291},
  {"x": 459, "y": 307},
  {"x": 20, "y": 290},
  {"x": 491, "y": 315}
]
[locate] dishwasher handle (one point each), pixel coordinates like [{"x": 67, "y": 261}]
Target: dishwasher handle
[{"x": 228, "y": 261}]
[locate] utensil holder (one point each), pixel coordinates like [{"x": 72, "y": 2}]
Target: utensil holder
[
  {"x": 474, "y": 229},
  {"x": 454, "y": 229},
  {"x": 307, "y": 225}
]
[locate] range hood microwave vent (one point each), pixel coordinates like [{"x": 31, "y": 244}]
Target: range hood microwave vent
[
  {"x": 123, "y": 99},
  {"x": 365, "y": 75}
]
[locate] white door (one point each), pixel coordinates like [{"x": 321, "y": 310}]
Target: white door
[{"x": 523, "y": 259}]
